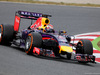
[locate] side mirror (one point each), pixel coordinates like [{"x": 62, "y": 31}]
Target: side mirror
[
  {"x": 68, "y": 38},
  {"x": 62, "y": 32}
]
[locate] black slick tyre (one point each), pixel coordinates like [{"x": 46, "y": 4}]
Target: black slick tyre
[
  {"x": 84, "y": 47},
  {"x": 34, "y": 39},
  {"x": 6, "y": 34}
]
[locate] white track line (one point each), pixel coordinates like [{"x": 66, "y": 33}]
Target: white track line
[
  {"x": 86, "y": 37},
  {"x": 97, "y": 55},
  {"x": 93, "y": 33}
]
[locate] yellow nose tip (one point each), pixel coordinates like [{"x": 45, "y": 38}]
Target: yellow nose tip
[{"x": 65, "y": 49}]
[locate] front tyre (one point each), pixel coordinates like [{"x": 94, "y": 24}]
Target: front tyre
[
  {"x": 84, "y": 47},
  {"x": 28, "y": 44},
  {"x": 34, "y": 39}
]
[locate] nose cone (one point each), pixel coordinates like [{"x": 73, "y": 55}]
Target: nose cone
[{"x": 65, "y": 49}]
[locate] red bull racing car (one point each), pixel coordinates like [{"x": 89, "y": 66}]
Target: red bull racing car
[{"x": 41, "y": 39}]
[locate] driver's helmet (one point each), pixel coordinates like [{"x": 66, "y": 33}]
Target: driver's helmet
[
  {"x": 47, "y": 29},
  {"x": 50, "y": 30}
]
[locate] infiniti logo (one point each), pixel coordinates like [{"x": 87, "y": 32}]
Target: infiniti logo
[{"x": 17, "y": 20}]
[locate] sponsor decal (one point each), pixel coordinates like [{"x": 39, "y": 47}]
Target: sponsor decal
[
  {"x": 30, "y": 14},
  {"x": 16, "y": 23}
]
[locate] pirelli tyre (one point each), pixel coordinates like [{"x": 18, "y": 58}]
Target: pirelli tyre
[
  {"x": 84, "y": 47},
  {"x": 34, "y": 39},
  {"x": 6, "y": 34}
]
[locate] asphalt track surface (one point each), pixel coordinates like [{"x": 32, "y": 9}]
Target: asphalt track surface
[{"x": 76, "y": 20}]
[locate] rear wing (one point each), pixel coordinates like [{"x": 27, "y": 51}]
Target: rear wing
[
  {"x": 26, "y": 15},
  {"x": 31, "y": 15}
]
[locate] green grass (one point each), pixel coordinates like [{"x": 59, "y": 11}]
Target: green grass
[
  {"x": 54, "y": 3},
  {"x": 96, "y": 43}
]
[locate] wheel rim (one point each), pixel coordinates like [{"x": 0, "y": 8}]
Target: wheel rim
[
  {"x": 1, "y": 32},
  {"x": 79, "y": 48},
  {"x": 28, "y": 43}
]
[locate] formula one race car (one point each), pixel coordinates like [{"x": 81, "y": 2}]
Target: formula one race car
[{"x": 41, "y": 39}]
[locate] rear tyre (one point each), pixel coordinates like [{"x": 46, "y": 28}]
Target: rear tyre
[
  {"x": 6, "y": 34},
  {"x": 34, "y": 39},
  {"x": 84, "y": 47}
]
